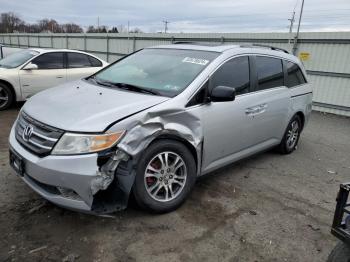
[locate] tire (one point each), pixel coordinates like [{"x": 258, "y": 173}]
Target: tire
[
  {"x": 166, "y": 186},
  {"x": 288, "y": 144},
  {"x": 6, "y": 97},
  {"x": 340, "y": 253}
]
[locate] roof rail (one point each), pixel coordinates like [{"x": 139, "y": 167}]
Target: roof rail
[
  {"x": 197, "y": 43},
  {"x": 185, "y": 42},
  {"x": 266, "y": 46}
]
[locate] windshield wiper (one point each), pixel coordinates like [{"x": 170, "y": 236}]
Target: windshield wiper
[
  {"x": 136, "y": 88},
  {"x": 103, "y": 83},
  {"x": 126, "y": 86}
]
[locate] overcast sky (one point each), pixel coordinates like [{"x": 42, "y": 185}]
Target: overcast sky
[{"x": 189, "y": 15}]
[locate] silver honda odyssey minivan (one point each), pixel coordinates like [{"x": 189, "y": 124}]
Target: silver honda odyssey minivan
[{"x": 152, "y": 122}]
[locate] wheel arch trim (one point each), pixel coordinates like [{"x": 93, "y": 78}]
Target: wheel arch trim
[
  {"x": 302, "y": 118},
  {"x": 195, "y": 151}
]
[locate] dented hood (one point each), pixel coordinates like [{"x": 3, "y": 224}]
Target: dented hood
[{"x": 84, "y": 107}]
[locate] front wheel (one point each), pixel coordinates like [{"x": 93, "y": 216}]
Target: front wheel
[
  {"x": 165, "y": 176},
  {"x": 340, "y": 253},
  {"x": 291, "y": 137},
  {"x": 6, "y": 97}
]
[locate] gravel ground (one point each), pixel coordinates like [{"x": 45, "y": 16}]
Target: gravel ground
[{"x": 266, "y": 208}]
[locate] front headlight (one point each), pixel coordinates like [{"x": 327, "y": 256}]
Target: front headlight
[{"x": 71, "y": 143}]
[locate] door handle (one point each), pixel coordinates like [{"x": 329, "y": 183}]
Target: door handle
[
  {"x": 59, "y": 76},
  {"x": 255, "y": 110}
]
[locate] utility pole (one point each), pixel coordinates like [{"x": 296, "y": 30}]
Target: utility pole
[
  {"x": 128, "y": 27},
  {"x": 166, "y": 25},
  {"x": 295, "y": 47},
  {"x": 291, "y": 22},
  {"x": 98, "y": 24}
]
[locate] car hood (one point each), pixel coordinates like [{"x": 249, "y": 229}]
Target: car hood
[
  {"x": 4, "y": 70},
  {"x": 83, "y": 107}
]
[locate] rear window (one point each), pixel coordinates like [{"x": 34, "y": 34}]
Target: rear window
[
  {"x": 77, "y": 60},
  {"x": 270, "y": 72},
  {"x": 295, "y": 76}
]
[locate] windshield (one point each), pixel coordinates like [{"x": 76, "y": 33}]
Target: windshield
[
  {"x": 17, "y": 59},
  {"x": 164, "y": 71}
]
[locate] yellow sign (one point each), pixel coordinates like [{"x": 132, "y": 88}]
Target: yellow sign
[{"x": 303, "y": 56}]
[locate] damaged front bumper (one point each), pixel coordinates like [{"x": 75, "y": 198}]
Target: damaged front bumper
[{"x": 79, "y": 182}]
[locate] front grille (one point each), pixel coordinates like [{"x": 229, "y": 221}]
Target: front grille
[{"x": 42, "y": 138}]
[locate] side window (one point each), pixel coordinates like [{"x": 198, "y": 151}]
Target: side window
[
  {"x": 49, "y": 61},
  {"x": 77, "y": 60},
  {"x": 294, "y": 75},
  {"x": 270, "y": 72},
  {"x": 95, "y": 62},
  {"x": 234, "y": 73}
]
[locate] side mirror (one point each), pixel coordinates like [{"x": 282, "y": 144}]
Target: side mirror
[
  {"x": 30, "y": 66},
  {"x": 222, "y": 94}
]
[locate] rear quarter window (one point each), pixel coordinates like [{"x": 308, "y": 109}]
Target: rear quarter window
[
  {"x": 95, "y": 62},
  {"x": 295, "y": 76}
]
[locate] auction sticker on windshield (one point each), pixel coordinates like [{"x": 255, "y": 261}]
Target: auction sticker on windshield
[{"x": 197, "y": 61}]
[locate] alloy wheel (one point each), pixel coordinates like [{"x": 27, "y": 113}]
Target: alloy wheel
[
  {"x": 4, "y": 97},
  {"x": 165, "y": 176},
  {"x": 293, "y": 134}
]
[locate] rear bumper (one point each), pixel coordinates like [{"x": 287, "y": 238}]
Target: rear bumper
[{"x": 63, "y": 180}]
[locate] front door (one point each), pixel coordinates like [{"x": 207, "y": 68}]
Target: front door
[
  {"x": 226, "y": 127},
  {"x": 51, "y": 72}
]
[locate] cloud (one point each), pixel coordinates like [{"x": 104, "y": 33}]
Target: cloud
[{"x": 189, "y": 15}]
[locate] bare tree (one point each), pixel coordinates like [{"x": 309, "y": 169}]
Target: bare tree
[
  {"x": 72, "y": 28},
  {"x": 136, "y": 30},
  {"x": 91, "y": 29},
  {"x": 113, "y": 30},
  {"x": 9, "y": 22},
  {"x": 101, "y": 29},
  {"x": 49, "y": 25}
]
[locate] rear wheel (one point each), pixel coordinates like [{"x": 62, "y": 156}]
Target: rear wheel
[
  {"x": 291, "y": 137},
  {"x": 340, "y": 253},
  {"x": 6, "y": 97},
  {"x": 165, "y": 176}
]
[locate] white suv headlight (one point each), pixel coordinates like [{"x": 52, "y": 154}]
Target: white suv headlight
[{"x": 71, "y": 143}]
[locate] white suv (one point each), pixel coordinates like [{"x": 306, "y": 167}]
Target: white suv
[{"x": 30, "y": 71}]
